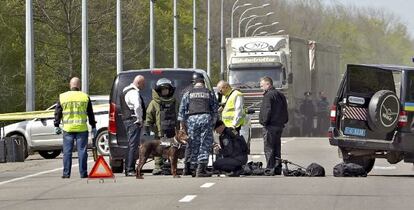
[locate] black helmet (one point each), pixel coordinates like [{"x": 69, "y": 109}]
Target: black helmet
[
  {"x": 164, "y": 83},
  {"x": 198, "y": 77}
]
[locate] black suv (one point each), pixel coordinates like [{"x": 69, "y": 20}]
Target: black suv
[
  {"x": 118, "y": 143},
  {"x": 372, "y": 115}
]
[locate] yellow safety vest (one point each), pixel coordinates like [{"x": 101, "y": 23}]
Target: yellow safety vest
[
  {"x": 74, "y": 105},
  {"x": 228, "y": 111}
]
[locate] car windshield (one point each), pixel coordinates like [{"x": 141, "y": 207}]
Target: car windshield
[
  {"x": 251, "y": 77},
  {"x": 379, "y": 79}
]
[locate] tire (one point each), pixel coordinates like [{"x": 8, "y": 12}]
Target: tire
[
  {"x": 383, "y": 111},
  {"x": 49, "y": 154},
  {"x": 117, "y": 166},
  {"x": 366, "y": 162},
  {"x": 26, "y": 151},
  {"x": 102, "y": 143}
]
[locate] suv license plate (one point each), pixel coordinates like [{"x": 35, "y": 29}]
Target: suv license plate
[{"x": 355, "y": 131}]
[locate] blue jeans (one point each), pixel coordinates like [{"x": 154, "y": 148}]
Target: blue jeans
[
  {"x": 133, "y": 135},
  {"x": 81, "y": 142}
]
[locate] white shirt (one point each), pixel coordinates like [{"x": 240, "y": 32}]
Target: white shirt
[{"x": 133, "y": 102}]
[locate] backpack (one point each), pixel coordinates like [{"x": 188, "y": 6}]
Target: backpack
[
  {"x": 315, "y": 169},
  {"x": 349, "y": 170}
]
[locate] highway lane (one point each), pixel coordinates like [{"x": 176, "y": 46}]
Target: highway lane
[{"x": 387, "y": 186}]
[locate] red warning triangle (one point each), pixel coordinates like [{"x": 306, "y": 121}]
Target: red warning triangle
[{"x": 101, "y": 169}]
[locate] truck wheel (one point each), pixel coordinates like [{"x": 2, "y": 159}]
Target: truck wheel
[
  {"x": 366, "y": 162},
  {"x": 117, "y": 166},
  {"x": 49, "y": 154},
  {"x": 383, "y": 111}
]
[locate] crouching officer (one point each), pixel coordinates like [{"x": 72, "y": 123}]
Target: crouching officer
[
  {"x": 198, "y": 113},
  {"x": 162, "y": 115},
  {"x": 232, "y": 150}
]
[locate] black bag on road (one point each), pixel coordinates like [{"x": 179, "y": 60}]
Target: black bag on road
[
  {"x": 349, "y": 170},
  {"x": 315, "y": 169}
]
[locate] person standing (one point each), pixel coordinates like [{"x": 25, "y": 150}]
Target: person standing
[
  {"x": 232, "y": 102},
  {"x": 133, "y": 116},
  {"x": 307, "y": 109},
  {"x": 197, "y": 114},
  {"x": 322, "y": 113},
  {"x": 74, "y": 109},
  {"x": 162, "y": 115},
  {"x": 273, "y": 116},
  {"x": 232, "y": 150}
]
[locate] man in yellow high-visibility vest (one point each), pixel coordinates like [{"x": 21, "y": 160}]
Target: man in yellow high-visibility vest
[
  {"x": 74, "y": 109},
  {"x": 232, "y": 106}
]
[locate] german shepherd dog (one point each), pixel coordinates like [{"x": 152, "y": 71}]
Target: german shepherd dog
[{"x": 172, "y": 152}]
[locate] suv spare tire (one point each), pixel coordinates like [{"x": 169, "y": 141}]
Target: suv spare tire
[{"x": 383, "y": 111}]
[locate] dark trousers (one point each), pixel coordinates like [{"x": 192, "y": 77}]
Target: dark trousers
[
  {"x": 133, "y": 135},
  {"x": 229, "y": 164},
  {"x": 272, "y": 145},
  {"x": 81, "y": 139}
]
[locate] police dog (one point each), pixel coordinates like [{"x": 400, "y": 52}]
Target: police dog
[{"x": 172, "y": 152}]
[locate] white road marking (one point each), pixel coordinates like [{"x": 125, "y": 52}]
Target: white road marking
[
  {"x": 256, "y": 156},
  {"x": 207, "y": 185},
  {"x": 187, "y": 198},
  {"x": 385, "y": 167},
  {"x": 36, "y": 174}
]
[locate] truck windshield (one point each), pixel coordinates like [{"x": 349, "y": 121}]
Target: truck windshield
[{"x": 251, "y": 77}]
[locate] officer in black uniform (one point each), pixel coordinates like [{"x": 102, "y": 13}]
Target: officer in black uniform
[
  {"x": 307, "y": 109},
  {"x": 232, "y": 150}
]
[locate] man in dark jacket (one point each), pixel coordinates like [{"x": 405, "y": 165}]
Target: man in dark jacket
[
  {"x": 273, "y": 116},
  {"x": 307, "y": 109},
  {"x": 232, "y": 150}
]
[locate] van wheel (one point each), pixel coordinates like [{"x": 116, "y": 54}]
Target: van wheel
[
  {"x": 117, "y": 166},
  {"x": 49, "y": 154},
  {"x": 366, "y": 162}
]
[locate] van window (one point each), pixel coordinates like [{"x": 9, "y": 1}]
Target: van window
[
  {"x": 369, "y": 80},
  {"x": 410, "y": 87}
]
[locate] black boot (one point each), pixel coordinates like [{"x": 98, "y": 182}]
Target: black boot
[
  {"x": 201, "y": 170},
  {"x": 187, "y": 169}
]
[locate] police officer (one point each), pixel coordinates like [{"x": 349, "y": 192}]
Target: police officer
[
  {"x": 322, "y": 113},
  {"x": 198, "y": 113},
  {"x": 73, "y": 108},
  {"x": 273, "y": 116},
  {"x": 133, "y": 116},
  {"x": 232, "y": 150},
  {"x": 232, "y": 102},
  {"x": 307, "y": 109},
  {"x": 162, "y": 115}
]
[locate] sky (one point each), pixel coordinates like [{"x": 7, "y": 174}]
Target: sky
[{"x": 404, "y": 9}]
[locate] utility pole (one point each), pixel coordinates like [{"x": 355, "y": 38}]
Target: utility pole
[
  {"x": 152, "y": 52},
  {"x": 85, "y": 61},
  {"x": 175, "y": 35},
  {"x": 222, "y": 41},
  {"x": 30, "y": 80},
  {"x": 118, "y": 37},
  {"x": 208, "y": 40},
  {"x": 194, "y": 34}
]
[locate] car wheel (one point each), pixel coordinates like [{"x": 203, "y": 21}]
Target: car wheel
[
  {"x": 383, "y": 111},
  {"x": 102, "y": 143},
  {"x": 366, "y": 162},
  {"x": 117, "y": 166},
  {"x": 49, "y": 154},
  {"x": 26, "y": 151}
]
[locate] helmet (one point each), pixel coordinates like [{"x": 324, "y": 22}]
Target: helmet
[
  {"x": 164, "y": 83},
  {"x": 198, "y": 77}
]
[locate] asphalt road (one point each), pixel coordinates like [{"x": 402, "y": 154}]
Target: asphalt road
[{"x": 36, "y": 184}]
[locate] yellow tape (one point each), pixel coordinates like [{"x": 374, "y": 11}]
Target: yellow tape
[{"x": 42, "y": 114}]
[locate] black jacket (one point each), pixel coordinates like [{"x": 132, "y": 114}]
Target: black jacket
[
  {"x": 273, "y": 111},
  {"x": 233, "y": 145}
]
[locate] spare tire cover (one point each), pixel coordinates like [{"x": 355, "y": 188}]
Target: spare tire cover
[{"x": 383, "y": 111}]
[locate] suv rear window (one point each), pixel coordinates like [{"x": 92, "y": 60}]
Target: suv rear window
[{"x": 369, "y": 80}]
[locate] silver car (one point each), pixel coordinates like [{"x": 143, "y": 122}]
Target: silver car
[{"x": 39, "y": 134}]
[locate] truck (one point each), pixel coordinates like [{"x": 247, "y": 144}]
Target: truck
[{"x": 295, "y": 65}]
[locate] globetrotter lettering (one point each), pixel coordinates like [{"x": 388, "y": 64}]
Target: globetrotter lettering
[{"x": 199, "y": 95}]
